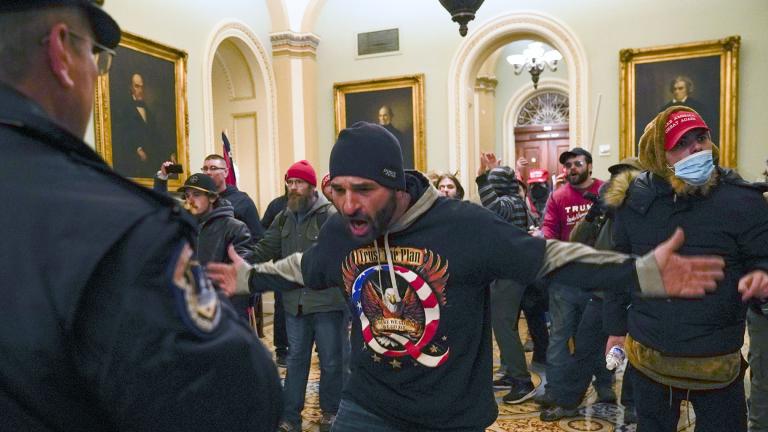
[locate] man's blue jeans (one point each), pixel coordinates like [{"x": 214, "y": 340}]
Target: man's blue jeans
[
  {"x": 326, "y": 329},
  {"x": 566, "y": 306}
]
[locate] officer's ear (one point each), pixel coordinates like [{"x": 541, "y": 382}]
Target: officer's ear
[{"x": 60, "y": 57}]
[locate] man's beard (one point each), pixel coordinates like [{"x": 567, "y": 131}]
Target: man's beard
[
  {"x": 578, "y": 179},
  {"x": 298, "y": 203},
  {"x": 377, "y": 225}
]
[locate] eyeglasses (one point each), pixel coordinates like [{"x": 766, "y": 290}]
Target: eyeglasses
[
  {"x": 295, "y": 182},
  {"x": 211, "y": 168},
  {"x": 577, "y": 164},
  {"x": 102, "y": 56}
]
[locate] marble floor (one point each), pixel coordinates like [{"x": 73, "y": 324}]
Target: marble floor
[{"x": 594, "y": 417}]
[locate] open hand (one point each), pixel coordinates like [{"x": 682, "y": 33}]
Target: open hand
[
  {"x": 225, "y": 275},
  {"x": 687, "y": 276}
]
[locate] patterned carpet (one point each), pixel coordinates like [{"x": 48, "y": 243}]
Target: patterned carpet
[{"x": 595, "y": 417}]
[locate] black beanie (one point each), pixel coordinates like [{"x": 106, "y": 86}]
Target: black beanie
[{"x": 368, "y": 150}]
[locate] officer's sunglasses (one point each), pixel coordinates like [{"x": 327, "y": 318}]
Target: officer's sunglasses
[{"x": 102, "y": 56}]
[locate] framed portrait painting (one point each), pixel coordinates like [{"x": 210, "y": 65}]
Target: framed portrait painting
[
  {"x": 140, "y": 115},
  {"x": 396, "y": 103},
  {"x": 700, "y": 75}
]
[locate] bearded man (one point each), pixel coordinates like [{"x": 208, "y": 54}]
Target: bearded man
[
  {"x": 425, "y": 364},
  {"x": 690, "y": 350},
  {"x": 311, "y": 315},
  {"x": 567, "y": 206}
]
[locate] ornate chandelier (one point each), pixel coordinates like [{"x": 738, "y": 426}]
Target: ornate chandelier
[{"x": 533, "y": 60}]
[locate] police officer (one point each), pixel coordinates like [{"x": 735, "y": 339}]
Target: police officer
[{"x": 106, "y": 324}]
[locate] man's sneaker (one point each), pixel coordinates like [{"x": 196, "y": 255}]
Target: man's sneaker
[
  {"x": 556, "y": 413},
  {"x": 606, "y": 395},
  {"x": 287, "y": 427},
  {"x": 326, "y": 422},
  {"x": 281, "y": 360},
  {"x": 503, "y": 382},
  {"x": 520, "y": 392}
]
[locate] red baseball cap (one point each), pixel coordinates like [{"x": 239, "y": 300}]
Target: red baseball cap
[
  {"x": 538, "y": 176},
  {"x": 678, "y": 124}
]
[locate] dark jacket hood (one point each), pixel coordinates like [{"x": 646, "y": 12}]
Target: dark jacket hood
[
  {"x": 423, "y": 196},
  {"x": 503, "y": 181},
  {"x": 223, "y": 209}
]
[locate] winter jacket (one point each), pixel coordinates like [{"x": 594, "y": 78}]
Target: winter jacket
[
  {"x": 730, "y": 220},
  {"x": 217, "y": 230},
  {"x": 287, "y": 235},
  {"x": 106, "y": 324}
]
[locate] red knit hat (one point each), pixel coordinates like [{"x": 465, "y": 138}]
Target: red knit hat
[{"x": 302, "y": 170}]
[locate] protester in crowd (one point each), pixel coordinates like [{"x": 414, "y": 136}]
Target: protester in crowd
[
  {"x": 690, "y": 350},
  {"x": 567, "y": 205},
  {"x": 418, "y": 286},
  {"x": 448, "y": 185}
]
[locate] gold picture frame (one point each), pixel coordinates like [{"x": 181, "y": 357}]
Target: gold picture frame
[
  {"x": 648, "y": 77},
  {"x": 403, "y": 95},
  {"x": 140, "y": 113}
]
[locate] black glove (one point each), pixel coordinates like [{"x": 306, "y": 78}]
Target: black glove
[{"x": 594, "y": 212}]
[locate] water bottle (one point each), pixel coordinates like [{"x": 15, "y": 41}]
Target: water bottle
[{"x": 615, "y": 358}]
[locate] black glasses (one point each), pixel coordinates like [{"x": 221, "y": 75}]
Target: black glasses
[
  {"x": 102, "y": 56},
  {"x": 211, "y": 168},
  {"x": 577, "y": 164}
]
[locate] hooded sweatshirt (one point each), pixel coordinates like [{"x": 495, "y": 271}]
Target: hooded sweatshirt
[{"x": 421, "y": 338}]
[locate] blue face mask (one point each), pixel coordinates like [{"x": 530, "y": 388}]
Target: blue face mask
[{"x": 696, "y": 168}]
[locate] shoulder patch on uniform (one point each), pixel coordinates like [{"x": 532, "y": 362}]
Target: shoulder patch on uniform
[{"x": 196, "y": 300}]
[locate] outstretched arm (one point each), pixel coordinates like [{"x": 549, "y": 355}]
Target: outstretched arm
[{"x": 660, "y": 273}]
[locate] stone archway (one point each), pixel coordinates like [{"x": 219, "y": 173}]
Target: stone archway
[
  {"x": 463, "y": 150},
  {"x": 242, "y": 65}
]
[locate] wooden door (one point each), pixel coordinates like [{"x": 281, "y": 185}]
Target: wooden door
[{"x": 542, "y": 145}]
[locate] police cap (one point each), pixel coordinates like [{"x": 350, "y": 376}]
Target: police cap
[{"x": 104, "y": 28}]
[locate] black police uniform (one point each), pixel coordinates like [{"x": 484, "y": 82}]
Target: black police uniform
[{"x": 105, "y": 325}]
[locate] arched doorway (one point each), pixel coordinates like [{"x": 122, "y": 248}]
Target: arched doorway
[
  {"x": 240, "y": 98},
  {"x": 463, "y": 150}
]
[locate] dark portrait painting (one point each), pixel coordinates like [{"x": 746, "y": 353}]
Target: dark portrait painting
[
  {"x": 696, "y": 81},
  {"x": 140, "y": 113},
  {"x": 395, "y": 103},
  {"x": 700, "y": 75},
  {"x": 143, "y": 107},
  {"x": 392, "y": 109}
]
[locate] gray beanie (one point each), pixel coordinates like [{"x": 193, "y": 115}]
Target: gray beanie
[{"x": 368, "y": 150}]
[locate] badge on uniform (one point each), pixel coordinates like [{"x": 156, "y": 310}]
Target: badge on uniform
[{"x": 196, "y": 299}]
